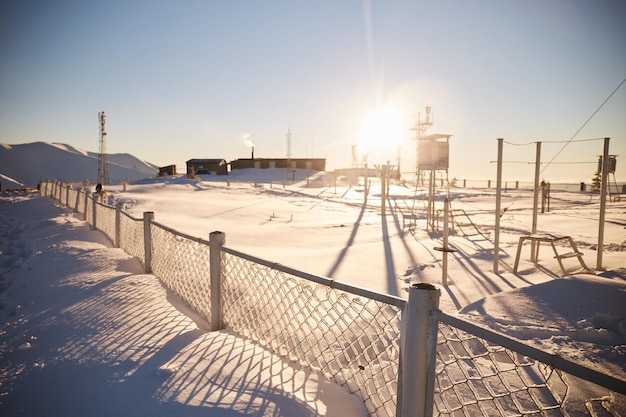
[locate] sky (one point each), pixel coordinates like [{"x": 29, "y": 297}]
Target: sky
[{"x": 197, "y": 79}]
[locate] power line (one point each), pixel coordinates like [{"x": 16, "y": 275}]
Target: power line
[
  {"x": 545, "y": 163},
  {"x": 553, "y": 141},
  {"x": 585, "y": 124}
]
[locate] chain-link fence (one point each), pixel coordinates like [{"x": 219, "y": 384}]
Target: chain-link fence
[
  {"x": 479, "y": 378},
  {"x": 182, "y": 263},
  {"x": 131, "y": 236},
  {"x": 105, "y": 220},
  {"x": 350, "y": 338},
  {"x": 355, "y": 336}
]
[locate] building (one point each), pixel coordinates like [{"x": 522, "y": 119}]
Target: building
[
  {"x": 207, "y": 166},
  {"x": 168, "y": 170},
  {"x": 315, "y": 164}
]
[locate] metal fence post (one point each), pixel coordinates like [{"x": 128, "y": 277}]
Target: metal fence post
[
  {"x": 216, "y": 241},
  {"x": 118, "y": 232},
  {"x": 86, "y": 202},
  {"x": 94, "y": 203},
  {"x": 148, "y": 216},
  {"x": 418, "y": 348}
]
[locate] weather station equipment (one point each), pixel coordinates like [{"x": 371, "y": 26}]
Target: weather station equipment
[{"x": 432, "y": 155}]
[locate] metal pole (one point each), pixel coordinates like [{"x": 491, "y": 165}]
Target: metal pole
[
  {"x": 86, "y": 203},
  {"x": 418, "y": 349},
  {"x": 148, "y": 216},
  {"x": 536, "y": 199},
  {"x": 603, "y": 186},
  {"x": 496, "y": 245},
  {"x": 216, "y": 241},
  {"x": 118, "y": 210},
  {"x": 94, "y": 203},
  {"x": 446, "y": 208}
]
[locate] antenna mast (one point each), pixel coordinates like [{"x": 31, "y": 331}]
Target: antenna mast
[
  {"x": 288, "y": 143},
  {"x": 103, "y": 170},
  {"x": 421, "y": 128}
]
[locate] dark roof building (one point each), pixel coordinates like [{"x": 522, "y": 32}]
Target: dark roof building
[
  {"x": 207, "y": 166},
  {"x": 167, "y": 170},
  {"x": 315, "y": 164}
]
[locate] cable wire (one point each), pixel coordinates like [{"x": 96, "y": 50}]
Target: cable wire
[{"x": 584, "y": 124}]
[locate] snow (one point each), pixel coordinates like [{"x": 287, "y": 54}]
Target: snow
[
  {"x": 24, "y": 165},
  {"x": 82, "y": 319},
  {"x": 85, "y": 332}
]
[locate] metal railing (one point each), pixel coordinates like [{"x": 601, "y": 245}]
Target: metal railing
[{"x": 402, "y": 357}]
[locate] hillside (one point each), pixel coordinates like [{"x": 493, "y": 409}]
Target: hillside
[{"x": 26, "y": 164}]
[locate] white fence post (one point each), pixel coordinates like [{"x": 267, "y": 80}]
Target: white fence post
[
  {"x": 118, "y": 210},
  {"x": 216, "y": 241},
  {"x": 603, "y": 191},
  {"x": 418, "y": 348},
  {"x": 94, "y": 203},
  {"x": 148, "y": 216},
  {"x": 496, "y": 241},
  {"x": 446, "y": 217},
  {"x": 86, "y": 202}
]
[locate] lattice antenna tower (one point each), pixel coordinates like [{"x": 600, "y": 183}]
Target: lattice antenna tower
[
  {"x": 421, "y": 127},
  {"x": 103, "y": 169}
]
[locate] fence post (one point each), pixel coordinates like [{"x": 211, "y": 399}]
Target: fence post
[
  {"x": 86, "y": 202},
  {"x": 67, "y": 196},
  {"x": 94, "y": 203},
  {"x": 77, "y": 201},
  {"x": 496, "y": 241},
  {"x": 118, "y": 210},
  {"x": 148, "y": 216},
  {"x": 418, "y": 349},
  {"x": 216, "y": 241}
]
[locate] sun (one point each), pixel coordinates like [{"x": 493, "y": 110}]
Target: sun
[{"x": 382, "y": 128}]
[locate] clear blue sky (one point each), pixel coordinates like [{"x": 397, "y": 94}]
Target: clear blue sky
[{"x": 188, "y": 79}]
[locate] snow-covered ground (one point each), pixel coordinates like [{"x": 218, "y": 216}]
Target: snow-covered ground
[{"x": 82, "y": 317}]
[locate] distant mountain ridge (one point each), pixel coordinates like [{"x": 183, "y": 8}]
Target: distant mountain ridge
[{"x": 24, "y": 165}]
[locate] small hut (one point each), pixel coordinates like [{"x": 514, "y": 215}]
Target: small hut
[{"x": 168, "y": 170}]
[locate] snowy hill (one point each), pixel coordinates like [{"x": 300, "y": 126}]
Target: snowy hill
[{"x": 26, "y": 164}]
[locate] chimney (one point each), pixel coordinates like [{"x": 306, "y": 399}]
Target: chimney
[{"x": 253, "y": 152}]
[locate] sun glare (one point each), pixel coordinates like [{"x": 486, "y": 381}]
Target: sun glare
[{"x": 382, "y": 128}]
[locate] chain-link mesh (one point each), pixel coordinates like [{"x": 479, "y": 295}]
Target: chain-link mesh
[
  {"x": 73, "y": 198},
  {"x": 131, "y": 237},
  {"x": 478, "y": 378},
  {"x": 105, "y": 220},
  {"x": 182, "y": 263},
  {"x": 350, "y": 339}
]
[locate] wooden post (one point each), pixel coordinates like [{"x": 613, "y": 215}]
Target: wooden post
[{"x": 216, "y": 241}]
